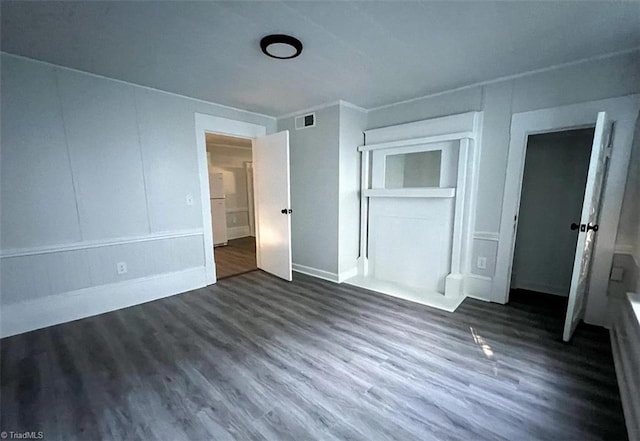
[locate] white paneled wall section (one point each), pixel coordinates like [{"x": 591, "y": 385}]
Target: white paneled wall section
[{"x": 96, "y": 172}]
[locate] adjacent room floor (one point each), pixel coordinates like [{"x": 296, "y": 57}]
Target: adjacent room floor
[
  {"x": 255, "y": 357},
  {"x": 237, "y": 257}
]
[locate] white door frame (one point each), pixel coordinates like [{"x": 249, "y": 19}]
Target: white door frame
[
  {"x": 248, "y": 169},
  {"x": 222, "y": 126},
  {"x": 623, "y": 112}
]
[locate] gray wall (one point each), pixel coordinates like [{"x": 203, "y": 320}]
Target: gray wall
[
  {"x": 553, "y": 185},
  {"x": 88, "y": 163},
  {"x": 325, "y": 185},
  {"x": 314, "y": 190}
]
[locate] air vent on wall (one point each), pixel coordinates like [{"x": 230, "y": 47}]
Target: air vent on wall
[{"x": 305, "y": 121}]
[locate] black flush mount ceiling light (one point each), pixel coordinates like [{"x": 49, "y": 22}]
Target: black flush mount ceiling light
[{"x": 280, "y": 46}]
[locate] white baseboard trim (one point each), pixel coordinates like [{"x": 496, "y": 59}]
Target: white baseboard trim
[
  {"x": 39, "y": 313},
  {"x": 320, "y": 274},
  {"x": 345, "y": 275},
  {"x": 238, "y": 232},
  {"x": 479, "y": 288}
]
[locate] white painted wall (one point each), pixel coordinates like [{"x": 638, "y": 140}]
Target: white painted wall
[
  {"x": 230, "y": 161},
  {"x": 553, "y": 185},
  {"x": 610, "y": 77},
  {"x": 94, "y": 172}
]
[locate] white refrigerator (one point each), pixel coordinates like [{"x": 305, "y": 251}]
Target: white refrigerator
[{"x": 218, "y": 209}]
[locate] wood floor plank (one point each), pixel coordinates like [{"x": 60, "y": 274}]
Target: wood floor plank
[
  {"x": 237, "y": 257},
  {"x": 255, "y": 357}
]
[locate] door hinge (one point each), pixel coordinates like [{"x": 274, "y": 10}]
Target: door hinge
[{"x": 609, "y": 148}]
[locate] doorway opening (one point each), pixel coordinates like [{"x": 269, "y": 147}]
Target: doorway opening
[
  {"x": 230, "y": 168},
  {"x": 271, "y": 192},
  {"x": 553, "y": 188}
]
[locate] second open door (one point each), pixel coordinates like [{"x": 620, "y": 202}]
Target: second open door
[
  {"x": 588, "y": 227},
  {"x": 272, "y": 197}
]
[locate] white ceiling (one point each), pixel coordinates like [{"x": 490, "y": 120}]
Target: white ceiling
[{"x": 368, "y": 53}]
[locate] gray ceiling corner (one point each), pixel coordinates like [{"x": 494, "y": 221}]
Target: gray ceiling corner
[{"x": 366, "y": 53}]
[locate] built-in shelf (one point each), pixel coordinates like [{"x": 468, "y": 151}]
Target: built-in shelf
[{"x": 434, "y": 192}]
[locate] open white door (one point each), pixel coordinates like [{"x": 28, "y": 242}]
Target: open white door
[
  {"x": 588, "y": 227},
  {"x": 273, "y": 204}
]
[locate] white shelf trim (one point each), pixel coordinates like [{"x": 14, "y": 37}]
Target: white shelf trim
[
  {"x": 417, "y": 141},
  {"x": 410, "y": 193}
]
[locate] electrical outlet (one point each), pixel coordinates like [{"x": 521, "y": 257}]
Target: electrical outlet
[
  {"x": 189, "y": 199},
  {"x": 482, "y": 263},
  {"x": 121, "y": 267}
]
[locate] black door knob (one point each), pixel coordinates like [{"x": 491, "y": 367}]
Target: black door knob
[
  {"x": 574, "y": 226},
  {"x": 286, "y": 211}
]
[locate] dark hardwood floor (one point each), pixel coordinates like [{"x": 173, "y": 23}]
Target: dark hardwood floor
[
  {"x": 237, "y": 257},
  {"x": 255, "y": 357}
]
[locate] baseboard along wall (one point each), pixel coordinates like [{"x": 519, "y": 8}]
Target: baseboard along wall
[{"x": 33, "y": 314}]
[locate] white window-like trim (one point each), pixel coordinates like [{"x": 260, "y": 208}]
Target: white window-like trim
[
  {"x": 379, "y": 160},
  {"x": 428, "y": 135}
]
